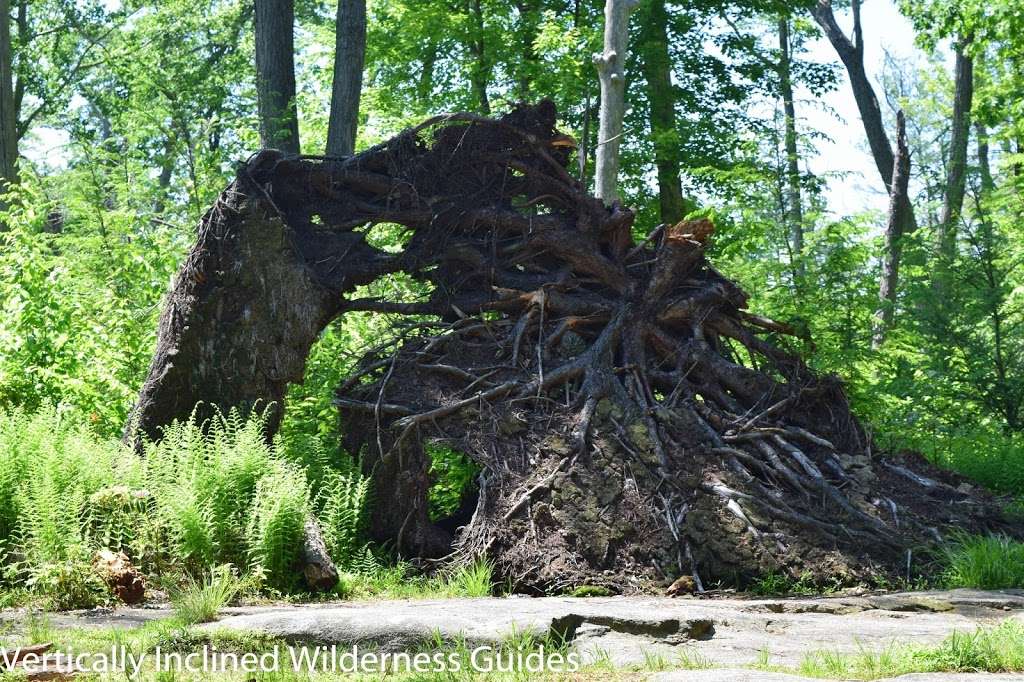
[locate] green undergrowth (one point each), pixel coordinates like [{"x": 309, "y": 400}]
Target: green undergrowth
[
  {"x": 999, "y": 649},
  {"x": 989, "y": 457},
  {"x": 984, "y": 562},
  {"x": 199, "y": 499},
  {"x": 400, "y": 581}
]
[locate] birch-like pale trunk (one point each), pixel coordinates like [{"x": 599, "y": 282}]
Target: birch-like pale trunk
[
  {"x": 611, "y": 65},
  {"x": 794, "y": 206}
]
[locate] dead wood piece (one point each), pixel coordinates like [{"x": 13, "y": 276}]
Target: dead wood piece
[
  {"x": 317, "y": 567},
  {"x": 542, "y": 335}
]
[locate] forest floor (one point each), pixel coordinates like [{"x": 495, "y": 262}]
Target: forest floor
[{"x": 858, "y": 636}]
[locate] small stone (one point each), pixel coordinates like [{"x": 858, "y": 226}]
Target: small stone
[{"x": 684, "y": 584}]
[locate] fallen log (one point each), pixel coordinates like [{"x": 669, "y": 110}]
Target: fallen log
[{"x": 633, "y": 421}]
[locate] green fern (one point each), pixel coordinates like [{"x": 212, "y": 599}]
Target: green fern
[
  {"x": 342, "y": 514},
  {"x": 202, "y": 496},
  {"x": 276, "y": 529}
]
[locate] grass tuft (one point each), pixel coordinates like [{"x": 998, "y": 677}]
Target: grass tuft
[
  {"x": 994, "y": 650},
  {"x": 987, "y": 562},
  {"x": 199, "y": 601}
]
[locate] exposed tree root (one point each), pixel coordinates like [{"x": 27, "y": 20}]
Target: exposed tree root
[{"x": 632, "y": 420}]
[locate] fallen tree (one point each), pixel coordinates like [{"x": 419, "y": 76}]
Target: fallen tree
[{"x": 633, "y": 421}]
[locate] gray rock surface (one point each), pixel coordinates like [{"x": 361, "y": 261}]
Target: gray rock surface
[
  {"x": 728, "y": 633},
  {"x": 724, "y": 631}
]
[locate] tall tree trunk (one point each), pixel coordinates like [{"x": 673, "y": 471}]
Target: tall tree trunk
[
  {"x": 988, "y": 184},
  {"x": 275, "y": 75},
  {"x": 166, "y": 173},
  {"x": 8, "y": 112},
  {"x": 657, "y": 70},
  {"x": 611, "y": 70},
  {"x": 480, "y": 72},
  {"x": 349, "y": 57},
  {"x": 852, "y": 55},
  {"x": 794, "y": 204},
  {"x": 1005, "y": 397},
  {"x": 956, "y": 169},
  {"x": 887, "y": 286},
  {"x": 527, "y": 29}
]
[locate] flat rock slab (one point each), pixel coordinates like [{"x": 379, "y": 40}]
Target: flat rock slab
[
  {"x": 627, "y": 629},
  {"x": 684, "y": 632}
]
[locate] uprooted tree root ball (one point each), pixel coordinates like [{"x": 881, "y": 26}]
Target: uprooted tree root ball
[{"x": 632, "y": 420}]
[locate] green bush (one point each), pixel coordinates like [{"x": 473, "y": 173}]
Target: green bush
[
  {"x": 78, "y": 309},
  {"x": 452, "y": 474},
  {"x": 50, "y": 466},
  {"x": 341, "y": 517},
  {"x": 68, "y": 584}
]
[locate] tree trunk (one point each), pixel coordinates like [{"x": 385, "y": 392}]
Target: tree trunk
[
  {"x": 245, "y": 308},
  {"x": 349, "y": 57},
  {"x": 1006, "y": 400},
  {"x": 888, "y": 284},
  {"x": 275, "y": 75},
  {"x": 8, "y": 112},
  {"x": 794, "y": 204},
  {"x": 526, "y": 30},
  {"x": 611, "y": 70},
  {"x": 163, "y": 183},
  {"x": 988, "y": 183},
  {"x": 657, "y": 70},
  {"x": 317, "y": 566},
  {"x": 480, "y": 71},
  {"x": 956, "y": 171},
  {"x": 425, "y": 81},
  {"x": 852, "y": 56}
]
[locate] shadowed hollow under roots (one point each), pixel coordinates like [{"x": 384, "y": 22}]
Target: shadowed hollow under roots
[{"x": 632, "y": 420}]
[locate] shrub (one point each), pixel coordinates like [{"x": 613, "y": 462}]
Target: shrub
[
  {"x": 453, "y": 474},
  {"x": 203, "y": 496},
  {"x": 205, "y": 480},
  {"x": 50, "y": 466},
  {"x": 118, "y": 518},
  {"x": 342, "y": 514},
  {"x": 68, "y": 584}
]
